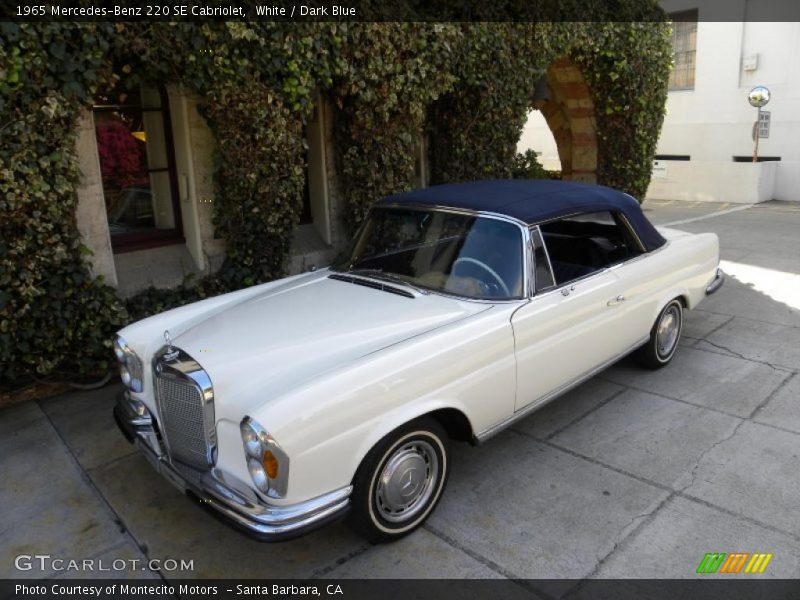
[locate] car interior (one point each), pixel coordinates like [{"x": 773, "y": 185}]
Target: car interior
[
  {"x": 486, "y": 262},
  {"x": 583, "y": 244}
]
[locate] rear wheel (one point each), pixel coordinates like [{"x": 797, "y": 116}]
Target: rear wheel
[
  {"x": 664, "y": 337},
  {"x": 400, "y": 481}
]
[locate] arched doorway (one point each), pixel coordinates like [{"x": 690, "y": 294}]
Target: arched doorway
[{"x": 565, "y": 101}]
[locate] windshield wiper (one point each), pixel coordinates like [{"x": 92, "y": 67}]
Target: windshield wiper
[{"x": 384, "y": 276}]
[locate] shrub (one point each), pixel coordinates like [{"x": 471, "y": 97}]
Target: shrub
[{"x": 467, "y": 86}]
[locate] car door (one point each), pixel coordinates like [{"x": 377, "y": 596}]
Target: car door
[{"x": 570, "y": 328}]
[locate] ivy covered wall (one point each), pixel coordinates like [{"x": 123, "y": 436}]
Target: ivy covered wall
[{"x": 468, "y": 86}]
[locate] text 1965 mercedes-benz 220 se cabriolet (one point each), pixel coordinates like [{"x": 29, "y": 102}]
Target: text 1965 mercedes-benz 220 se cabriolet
[{"x": 457, "y": 310}]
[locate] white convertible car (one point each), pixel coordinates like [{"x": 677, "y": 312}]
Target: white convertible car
[{"x": 457, "y": 310}]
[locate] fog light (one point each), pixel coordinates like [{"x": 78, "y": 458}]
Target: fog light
[
  {"x": 257, "y": 474},
  {"x": 139, "y": 408},
  {"x": 270, "y": 464}
]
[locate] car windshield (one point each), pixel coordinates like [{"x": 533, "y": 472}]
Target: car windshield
[{"x": 455, "y": 253}]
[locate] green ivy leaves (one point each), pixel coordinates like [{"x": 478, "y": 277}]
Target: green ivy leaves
[{"x": 466, "y": 88}]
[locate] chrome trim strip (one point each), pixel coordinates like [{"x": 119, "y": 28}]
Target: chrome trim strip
[
  {"x": 550, "y": 396},
  {"x": 631, "y": 230},
  {"x": 530, "y": 262}
]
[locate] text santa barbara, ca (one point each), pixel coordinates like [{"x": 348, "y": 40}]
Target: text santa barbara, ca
[{"x": 184, "y": 590}]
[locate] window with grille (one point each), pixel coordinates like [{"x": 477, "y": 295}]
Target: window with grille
[{"x": 684, "y": 50}]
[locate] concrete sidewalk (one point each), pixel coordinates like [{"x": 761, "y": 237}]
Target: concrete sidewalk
[{"x": 634, "y": 474}]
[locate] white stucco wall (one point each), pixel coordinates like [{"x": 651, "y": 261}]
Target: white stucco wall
[
  {"x": 713, "y": 122},
  {"x": 536, "y": 135}
]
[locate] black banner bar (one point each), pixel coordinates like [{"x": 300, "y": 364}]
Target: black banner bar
[
  {"x": 403, "y": 10},
  {"x": 729, "y": 588}
]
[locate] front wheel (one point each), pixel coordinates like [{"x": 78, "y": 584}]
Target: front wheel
[
  {"x": 400, "y": 481},
  {"x": 664, "y": 337}
]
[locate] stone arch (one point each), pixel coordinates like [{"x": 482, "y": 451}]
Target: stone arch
[{"x": 568, "y": 108}]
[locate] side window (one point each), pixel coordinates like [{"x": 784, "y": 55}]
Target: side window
[
  {"x": 582, "y": 244},
  {"x": 543, "y": 274}
]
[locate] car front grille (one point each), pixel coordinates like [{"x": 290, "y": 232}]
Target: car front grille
[{"x": 186, "y": 410}]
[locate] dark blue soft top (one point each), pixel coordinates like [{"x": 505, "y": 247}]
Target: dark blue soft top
[{"x": 534, "y": 201}]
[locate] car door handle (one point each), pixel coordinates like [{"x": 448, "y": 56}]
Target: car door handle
[{"x": 616, "y": 301}]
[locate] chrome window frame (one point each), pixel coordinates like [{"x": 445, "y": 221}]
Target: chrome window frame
[
  {"x": 536, "y": 289},
  {"x": 527, "y": 289},
  {"x": 569, "y": 285}
]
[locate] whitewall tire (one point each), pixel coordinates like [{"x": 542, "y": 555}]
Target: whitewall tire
[
  {"x": 400, "y": 481},
  {"x": 664, "y": 337}
]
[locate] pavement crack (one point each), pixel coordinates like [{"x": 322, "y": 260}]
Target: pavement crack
[
  {"x": 595, "y": 408},
  {"x": 743, "y": 357},
  {"x": 626, "y": 532},
  {"x": 770, "y": 396},
  {"x": 471, "y": 553},
  {"x": 704, "y": 453},
  {"x": 720, "y": 326}
]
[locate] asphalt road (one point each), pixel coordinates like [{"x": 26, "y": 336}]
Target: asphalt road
[{"x": 633, "y": 474}]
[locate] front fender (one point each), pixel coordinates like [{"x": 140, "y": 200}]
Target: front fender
[{"x": 329, "y": 425}]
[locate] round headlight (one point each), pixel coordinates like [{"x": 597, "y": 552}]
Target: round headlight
[
  {"x": 257, "y": 474},
  {"x": 119, "y": 350},
  {"x": 124, "y": 374},
  {"x": 252, "y": 443}
]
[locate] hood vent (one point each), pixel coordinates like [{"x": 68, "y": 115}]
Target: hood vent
[{"x": 371, "y": 283}]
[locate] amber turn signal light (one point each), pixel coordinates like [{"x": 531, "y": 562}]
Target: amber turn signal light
[{"x": 270, "y": 464}]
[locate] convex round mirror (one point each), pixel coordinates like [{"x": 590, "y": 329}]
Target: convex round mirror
[{"x": 758, "y": 96}]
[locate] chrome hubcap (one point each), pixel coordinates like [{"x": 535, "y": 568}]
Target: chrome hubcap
[
  {"x": 668, "y": 329},
  {"x": 407, "y": 481}
]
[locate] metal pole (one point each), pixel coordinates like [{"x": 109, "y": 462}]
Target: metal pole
[{"x": 756, "y": 130}]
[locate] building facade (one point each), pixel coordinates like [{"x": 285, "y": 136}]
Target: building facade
[
  {"x": 705, "y": 151},
  {"x": 146, "y": 197}
]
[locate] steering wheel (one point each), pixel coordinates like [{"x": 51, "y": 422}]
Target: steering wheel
[{"x": 486, "y": 268}]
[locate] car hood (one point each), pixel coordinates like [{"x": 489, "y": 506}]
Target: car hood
[{"x": 283, "y": 337}]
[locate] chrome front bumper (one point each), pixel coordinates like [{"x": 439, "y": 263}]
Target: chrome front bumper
[
  {"x": 226, "y": 496},
  {"x": 716, "y": 283}
]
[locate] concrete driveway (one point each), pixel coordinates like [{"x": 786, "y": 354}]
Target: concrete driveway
[{"x": 633, "y": 474}]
